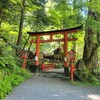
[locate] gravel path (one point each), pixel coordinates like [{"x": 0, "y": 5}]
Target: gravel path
[{"x": 51, "y": 86}]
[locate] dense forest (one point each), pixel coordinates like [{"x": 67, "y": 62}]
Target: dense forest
[{"x": 17, "y": 17}]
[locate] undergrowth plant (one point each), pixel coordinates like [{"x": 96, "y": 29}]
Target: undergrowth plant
[
  {"x": 11, "y": 74},
  {"x": 87, "y": 77}
]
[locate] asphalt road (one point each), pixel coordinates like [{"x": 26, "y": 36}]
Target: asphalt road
[{"x": 53, "y": 86}]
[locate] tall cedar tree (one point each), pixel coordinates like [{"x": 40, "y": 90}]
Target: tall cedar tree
[
  {"x": 91, "y": 47},
  {"x": 21, "y": 23},
  {"x": 92, "y": 38}
]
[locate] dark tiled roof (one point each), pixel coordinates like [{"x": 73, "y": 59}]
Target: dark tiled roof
[{"x": 56, "y": 31}]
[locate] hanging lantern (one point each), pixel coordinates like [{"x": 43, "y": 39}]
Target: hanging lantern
[{"x": 72, "y": 55}]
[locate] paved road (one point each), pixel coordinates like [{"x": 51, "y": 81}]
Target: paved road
[{"x": 51, "y": 86}]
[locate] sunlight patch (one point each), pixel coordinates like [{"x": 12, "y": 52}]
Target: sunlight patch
[
  {"x": 94, "y": 96},
  {"x": 55, "y": 95}
]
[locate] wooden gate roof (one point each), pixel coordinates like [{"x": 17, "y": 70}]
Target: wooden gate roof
[{"x": 70, "y": 30}]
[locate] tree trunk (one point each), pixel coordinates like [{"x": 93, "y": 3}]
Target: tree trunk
[
  {"x": 21, "y": 24},
  {"x": 26, "y": 42},
  {"x": 90, "y": 46}
]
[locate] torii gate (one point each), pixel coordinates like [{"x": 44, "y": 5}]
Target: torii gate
[{"x": 64, "y": 32}]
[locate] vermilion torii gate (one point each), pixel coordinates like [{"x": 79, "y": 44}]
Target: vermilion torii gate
[{"x": 64, "y": 32}]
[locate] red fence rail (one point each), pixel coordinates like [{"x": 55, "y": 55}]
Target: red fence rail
[{"x": 47, "y": 66}]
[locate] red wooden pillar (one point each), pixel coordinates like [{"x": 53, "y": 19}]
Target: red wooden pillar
[
  {"x": 37, "y": 50},
  {"x": 51, "y": 37},
  {"x": 66, "y": 50},
  {"x": 72, "y": 69}
]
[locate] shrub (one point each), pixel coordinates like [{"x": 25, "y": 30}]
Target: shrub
[
  {"x": 9, "y": 81},
  {"x": 10, "y": 73}
]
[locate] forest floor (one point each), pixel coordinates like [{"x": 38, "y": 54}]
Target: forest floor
[{"x": 53, "y": 85}]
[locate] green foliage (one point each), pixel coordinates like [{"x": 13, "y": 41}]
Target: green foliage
[
  {"x": 41, "y": 15},
  {"x": 5, "y": 88},
  {"x": 10, "y": 73},
  {"x": 7, "y": 56},
  {"x": 15, "y": 79},
  {"x": 86, "y": 76},
  {"x": 10, "y": 78},
  {"x": 94, "y": 4},
  {"x": 63, "y": 15},
  {"x": 8, "y": 9},
  {"x": 10, "y": 81}
]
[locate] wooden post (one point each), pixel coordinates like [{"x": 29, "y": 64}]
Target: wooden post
[
  {"x": 37, "y": 50},
  {"x": 51, "y": 37},
  {"x": 24, "y": 57},
  {"x": 66, "y": 50},
  {"x": 72, "y": 69},
  {"x": 24, "y": 64}
]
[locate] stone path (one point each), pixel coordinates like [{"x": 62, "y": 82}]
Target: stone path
[{"x": 53, "y": 86}]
